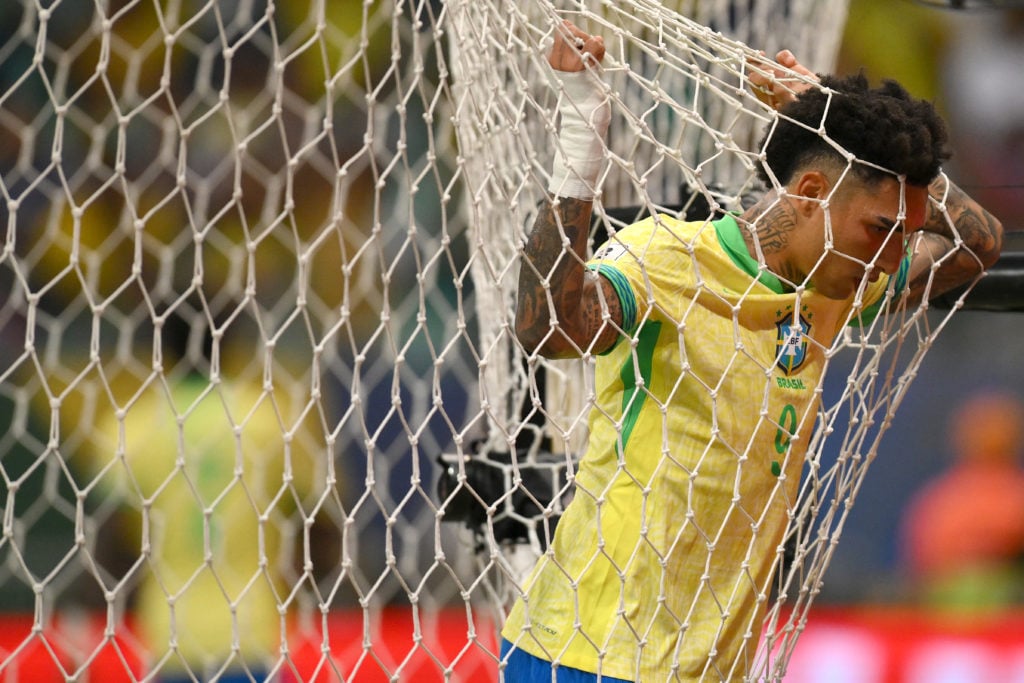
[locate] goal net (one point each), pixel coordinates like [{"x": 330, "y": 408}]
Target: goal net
[{"x": 261, "y": 403}]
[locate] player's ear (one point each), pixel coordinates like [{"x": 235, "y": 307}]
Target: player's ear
[{"x": 809, "y": 190}]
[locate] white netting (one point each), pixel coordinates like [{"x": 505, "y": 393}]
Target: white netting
[{"x": 260, "y": 261}]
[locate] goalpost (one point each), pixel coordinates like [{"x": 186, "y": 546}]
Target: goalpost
[{"x": 261, "y": 402}]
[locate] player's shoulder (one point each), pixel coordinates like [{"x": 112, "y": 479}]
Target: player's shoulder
[{"x": 657, "y": 233}]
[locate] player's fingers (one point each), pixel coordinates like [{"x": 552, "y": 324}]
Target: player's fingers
[
  {"x": 762, "y": 77},
  {"x": 586, "y": 43},
  {"x": 574, "y": 30},
  {"x": 786, "y": 58},
  {"x": 758, "y": 62},
  {"x": 764, "y": 70},
  {"x": 789, "y": 60},
  {"x": 563, "y": 54},
  {"x": 574, "y": 46},
  {"x": 594, "y": 47}
]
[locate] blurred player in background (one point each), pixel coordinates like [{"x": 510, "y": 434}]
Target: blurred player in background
[
  {"x": 208, "y": 475},
  {"x": 963, "y": 533}
]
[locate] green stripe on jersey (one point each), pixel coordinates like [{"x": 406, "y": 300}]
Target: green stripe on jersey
[{"x": 633, "y": 394}]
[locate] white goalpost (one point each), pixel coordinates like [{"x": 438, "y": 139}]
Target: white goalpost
[{"x": 263, "y": 412}]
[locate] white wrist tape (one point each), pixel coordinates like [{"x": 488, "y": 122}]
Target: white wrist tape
[{"x": 585, "y": 113}]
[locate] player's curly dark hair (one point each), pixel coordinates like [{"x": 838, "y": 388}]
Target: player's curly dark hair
[{"x": 884, "y": 126}]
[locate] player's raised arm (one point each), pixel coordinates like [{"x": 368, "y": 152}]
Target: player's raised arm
[
  {"x": 958, "y": 241},
  {"x": 562, "y": 309}
]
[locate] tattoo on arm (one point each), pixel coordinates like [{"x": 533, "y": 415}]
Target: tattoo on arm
[
  {"x": 553, "y": 280},
  {"x": 953, "y": 217}
]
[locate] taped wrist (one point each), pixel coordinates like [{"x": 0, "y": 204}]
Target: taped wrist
[{"x": 584, "y": 112}]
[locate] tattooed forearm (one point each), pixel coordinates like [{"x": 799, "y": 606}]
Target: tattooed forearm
[
  {"x": 979, "y": 231},
  {"x": 552, "y": 275},
  {"x": 958, "y": 241}
]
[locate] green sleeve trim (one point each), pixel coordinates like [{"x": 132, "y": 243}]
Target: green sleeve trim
[{"x": 623, "y": 289}]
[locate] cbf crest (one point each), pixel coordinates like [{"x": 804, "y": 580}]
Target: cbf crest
[{"x": 791, "y": 341}]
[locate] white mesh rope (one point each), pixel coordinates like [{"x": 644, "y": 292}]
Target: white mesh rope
[{"x": 260, "y": 264}]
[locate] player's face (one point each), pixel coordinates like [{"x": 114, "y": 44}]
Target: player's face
[{"x": 867, "y": 236}]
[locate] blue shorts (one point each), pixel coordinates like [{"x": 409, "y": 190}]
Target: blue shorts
[{"x": 522, "y": 667}]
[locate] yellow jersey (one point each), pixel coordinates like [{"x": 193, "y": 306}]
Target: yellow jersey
[
  {"x": 660, "y": 567},
  {"x": 208, "y": 479}
]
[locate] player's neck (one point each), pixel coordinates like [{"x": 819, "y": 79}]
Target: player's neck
[{"x": 769, "y": 230}]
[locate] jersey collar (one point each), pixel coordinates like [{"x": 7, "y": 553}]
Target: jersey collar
[{"x": 731, "y": 240}]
